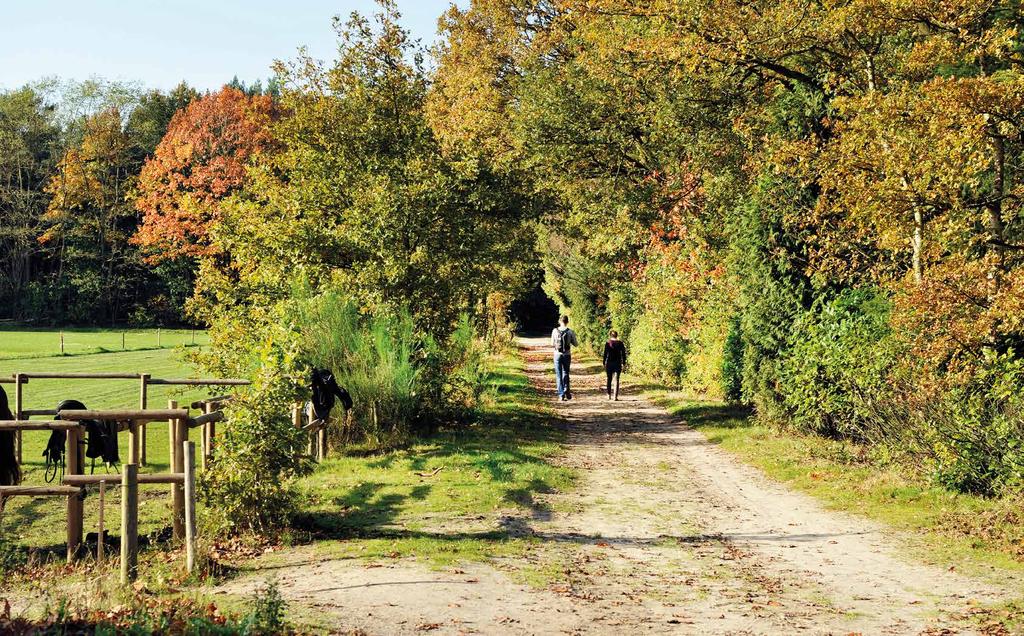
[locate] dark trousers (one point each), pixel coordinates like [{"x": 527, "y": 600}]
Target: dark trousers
[
  {"x": 562, "y": 363},
  {"x": 616, "y": 373}
]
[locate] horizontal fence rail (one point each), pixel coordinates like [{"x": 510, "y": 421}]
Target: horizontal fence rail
[
  {"x": 200, "y": 382},
  {"x": 37, "y": 425},
  {"x": 135, "y": 415},
  {"x": 38, "y": 491},
  {"x": 143, "y": 478}
]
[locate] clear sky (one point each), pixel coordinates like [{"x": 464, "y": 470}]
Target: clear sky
[{"x": 160, "y": 43}]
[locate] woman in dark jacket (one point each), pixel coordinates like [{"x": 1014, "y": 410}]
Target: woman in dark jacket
[
  {"x": 614, "y": 362},
  {"x": 10, "y": 473}
]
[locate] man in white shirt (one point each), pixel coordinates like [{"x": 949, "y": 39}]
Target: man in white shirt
[{"x": 563, "y": 340}]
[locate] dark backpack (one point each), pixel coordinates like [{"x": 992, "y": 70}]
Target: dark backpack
[{"x": 564, "y": 341}]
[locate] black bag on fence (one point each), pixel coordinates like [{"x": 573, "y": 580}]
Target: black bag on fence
[
  {"x": 10, "y": 472},
  {"x": 325, "y": 388},
  {"x": 54, "y": 451},
  {"x": 102, "y": 442}
]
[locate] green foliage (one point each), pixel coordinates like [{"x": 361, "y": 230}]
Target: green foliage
[
  {"x": 361, "y": 196},
  {"x": 970, "y": 435},
  {"x": 268, "y": 612},
  {"x": 837, "y": 363},
  {"x": 772, "y": 295},
  {"x": 249, "y": 484},
  {"x": 657, "y": 350},
  {"x": 144, "y": 614},
  {"x": 732, "y": 363}
]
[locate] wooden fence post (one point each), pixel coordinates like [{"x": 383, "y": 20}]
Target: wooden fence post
[
  {"x": 297, "y": 421},
  {"x": 100, "y": 548},
  {"x": 133, "y": 441},
  {"x": 180, "y": 428},
  {"x": 209, "y": 432},
  {"x": 321, "y": 438},
  {"x": 143, "y": 399},
  {"x": 189, "y": 449},
  {"x": 73, "y": 466},
  {"x": 172, "y": 446},
  {"x": 19, "y": 408},
  {"x": 129, "y": 523}
]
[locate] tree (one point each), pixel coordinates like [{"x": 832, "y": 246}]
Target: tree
[
  {"x": 88, "y": 222},
  {"x": 150, "y": 118},
  {"x": 28, "y": 143},
  {"x": 360, "y": 197},
  {"x": 200, "y": 161}
]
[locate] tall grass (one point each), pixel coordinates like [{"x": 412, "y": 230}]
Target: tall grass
[{"x": 374, "y": 357}]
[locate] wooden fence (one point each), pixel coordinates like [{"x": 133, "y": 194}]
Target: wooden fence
[{"x": 181, "y": 474}]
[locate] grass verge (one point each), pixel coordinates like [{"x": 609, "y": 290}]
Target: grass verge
[{"x": 451, "y": 498}]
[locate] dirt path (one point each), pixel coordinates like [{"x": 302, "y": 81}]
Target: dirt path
[{"x": 665, "y": 534}]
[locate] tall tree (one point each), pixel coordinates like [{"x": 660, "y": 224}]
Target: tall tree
[
  {"x": 98, "y": 273},
  {"x": 200, "y": 161},
  {"x": 28, "y": 144}
]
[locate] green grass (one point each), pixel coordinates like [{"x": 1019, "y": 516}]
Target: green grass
[
  {"x": 442, "y": 499},
  {"x": 845, "y": 478},
  {"x": 40, "y": 522},
  {"x": 21, "y": 343}
]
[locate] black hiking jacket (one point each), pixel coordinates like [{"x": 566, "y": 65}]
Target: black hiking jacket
[{"x": 614, "y": 355}]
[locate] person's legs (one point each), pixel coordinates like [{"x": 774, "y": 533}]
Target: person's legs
[
  {"x": 566, "y": 362},
  {"x": 609, "y": 373},
  {"x": 558, "y": 377}
]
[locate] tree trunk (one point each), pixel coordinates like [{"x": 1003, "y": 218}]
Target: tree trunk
[
  {"x": 918, "y": 244},
  {"x": 994, "y": 209}
]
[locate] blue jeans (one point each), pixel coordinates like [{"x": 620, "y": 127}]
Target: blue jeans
[{"x": 562, "y": 362}]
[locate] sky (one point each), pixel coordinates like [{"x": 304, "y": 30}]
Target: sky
[{"x": 161, "y": 43}]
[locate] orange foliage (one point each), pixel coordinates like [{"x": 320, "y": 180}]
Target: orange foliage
[{"x": 201, "y": 160}]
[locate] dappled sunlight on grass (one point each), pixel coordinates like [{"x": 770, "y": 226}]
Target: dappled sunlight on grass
[{"x": 443, "y": 498}]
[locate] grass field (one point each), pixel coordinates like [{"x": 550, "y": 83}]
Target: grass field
[
  {"x": 39, "y": 522},
  {"x": 21, "y": 343}
]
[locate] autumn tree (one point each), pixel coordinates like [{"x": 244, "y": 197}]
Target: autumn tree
[
  {"x": 88, "y": 223},
  {"x": 200, "y": 161}
]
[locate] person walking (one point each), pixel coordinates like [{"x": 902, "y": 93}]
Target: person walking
[
  {"x": 563, "y": 339},
  {"x": 614, "y": 362}
]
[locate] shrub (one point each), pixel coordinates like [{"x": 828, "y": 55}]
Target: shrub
[
  {"x": 971, "y": 436},
  {"x": 837, "y": 361},
  {"x": 248, "y": 485},
  {"x": 657, "y": 351},
  {"x": 732, "y": 363},
  {"x": 499, "y": 331},
  {"x": 268, "y": 612}
]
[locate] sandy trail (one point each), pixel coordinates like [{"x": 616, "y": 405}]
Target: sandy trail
[{"x": 666, "y": 533}]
